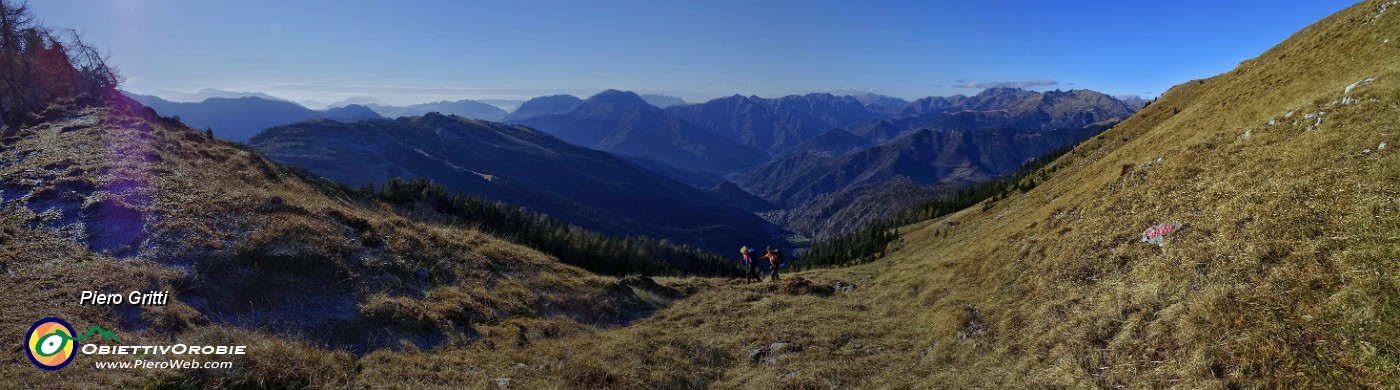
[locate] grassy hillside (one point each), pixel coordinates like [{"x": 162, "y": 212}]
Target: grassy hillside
[
  {"x": 1285, "y": 275},
  {"x": 116, "y": 199}
]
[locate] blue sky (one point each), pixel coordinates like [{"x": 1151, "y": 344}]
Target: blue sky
[{"x": 415, "y": 51}]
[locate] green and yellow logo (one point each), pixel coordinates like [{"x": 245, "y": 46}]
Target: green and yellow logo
[{"x": 51, "y": 343}]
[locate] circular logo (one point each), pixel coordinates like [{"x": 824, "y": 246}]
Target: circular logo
[{"x": 50, "y": 344}]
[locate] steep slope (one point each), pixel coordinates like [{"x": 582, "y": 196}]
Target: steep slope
[
  {"x": 238, "y": 119},
  {"x": 694, "y": 179},
  {"x": 736, "y": 196},
  {"x": 464, "y": 108},
  {"x": 543, "y": 105},
  {"x": 517, "y": 165},
  {"x": 622, "y": 123},
  {"x": 116, "y": 199},
  {"x": 1285, "y": 275}
]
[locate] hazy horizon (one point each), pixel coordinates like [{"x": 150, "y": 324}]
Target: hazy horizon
[
  {"x": 404, "y": 53},
  {"x": 187, "y": 96}
]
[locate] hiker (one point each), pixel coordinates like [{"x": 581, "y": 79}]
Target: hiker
[
  {"x": 775, "y": 260},
  {"x": 752, "y": 274}
]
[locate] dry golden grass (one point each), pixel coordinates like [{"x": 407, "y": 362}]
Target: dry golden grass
[
  {"x": 1285, "y": 276},
  {"x": 299, "y": 271}
]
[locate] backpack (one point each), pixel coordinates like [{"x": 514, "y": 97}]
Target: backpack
[{"x": 778, "y": 257}]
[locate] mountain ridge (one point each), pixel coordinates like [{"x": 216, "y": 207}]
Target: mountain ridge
[
  {"x": 513, "y": 164},
  {"x": 623, "y": 123},
  {"x": 466, "y": 108},
  {"x": 230, "y": 119},
  {"x": 543, "y": 105}
]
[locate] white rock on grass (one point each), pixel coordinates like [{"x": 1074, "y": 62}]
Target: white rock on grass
[
  {"x": 1348, "y": 89},
  {"x": 1381, "y": 10}
]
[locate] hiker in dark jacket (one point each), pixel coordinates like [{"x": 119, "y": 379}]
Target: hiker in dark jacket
[
  {"x": 752, "y": 274},
  {"x": 775, "y": 260}
]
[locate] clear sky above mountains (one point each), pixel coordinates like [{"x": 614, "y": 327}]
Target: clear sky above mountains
[{"x": 415, "y": 51}]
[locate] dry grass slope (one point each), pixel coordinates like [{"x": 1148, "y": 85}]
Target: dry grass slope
[
  {"x": 116, "y": 199},
  {"x": 1286, "y": 275}
]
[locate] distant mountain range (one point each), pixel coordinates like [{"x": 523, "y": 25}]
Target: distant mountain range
[
  {"x": 996, "y": 107},
  {"x": 924, "y": 157},
  {"x": 880, "y": 103},
  {"x": 504, "y": 104},
  {"x": 1134, "y": 101},
  {"x": 662, "y": 101},
  {"x": 518, "y": 165},
  {"x": 242, "y": 115},
  {"x": 622, "y": 123},
  {"x": 358, "y": 100},
  {"x": 544, "y": 105},
  {"x": 464, "y": 108},
  {"x": 803, "y": 153},
  {"x": 812, "y": 157},
  {"x": 841, "y": 178},
  {"x": 770, "y": 125},
  {"x": 204, "y": 94},
  {"x": 827, "y": 195},
  {"x": 238, "y": 119},
  {"x": 559, "y": 104}
]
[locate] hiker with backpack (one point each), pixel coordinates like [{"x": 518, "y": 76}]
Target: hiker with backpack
[
  {"x": 752, "y": 274},
  {"x": 775, "y": 260}
]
